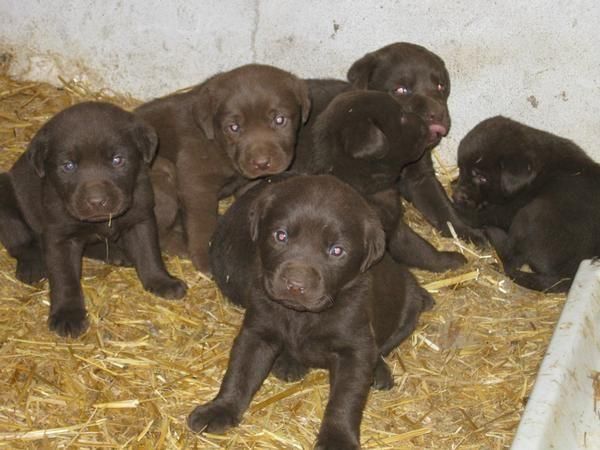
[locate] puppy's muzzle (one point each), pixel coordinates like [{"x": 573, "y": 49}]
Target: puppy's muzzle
[
  {"x": 98, "y": 201},
  {"x": 298, "y": 286},
  {"x": 262, "y": 159}
]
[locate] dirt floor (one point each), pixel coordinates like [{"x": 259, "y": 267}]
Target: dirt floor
[{"x": 462, "y": 379}]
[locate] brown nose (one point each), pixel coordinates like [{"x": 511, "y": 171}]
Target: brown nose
[
  {"x": 97, "y": 200},
  {"x": 261, "y": 162},
  {"x": 295, "y": 286}
]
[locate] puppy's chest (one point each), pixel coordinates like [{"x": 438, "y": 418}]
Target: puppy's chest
[{"x": 313, "y": 342}]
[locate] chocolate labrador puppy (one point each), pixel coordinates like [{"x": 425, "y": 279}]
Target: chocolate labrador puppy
[
  {"x": 82, "y": 183},
  {"x": 301, "y": 254},
  {"x": 235, "y": 127},
  {"x": 366, "y": 138},
  {"x": 536, "y": 196},
  {"x": 419, "y": 78}
]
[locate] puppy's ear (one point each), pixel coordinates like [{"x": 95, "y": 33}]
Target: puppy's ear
[
  {"x": 364, "y": 140},
  {"x": 258, "y": 210},
  {"x": 516, "y": 174},
  {"x": 203, "y": 109},
  {"x": 37, "y": 151},
  {"x": 145, "y": 138},
  {"x": 374, "y": 241},
  {"x": 301, "y": 91},
  {"x": 360, "y": 72}
]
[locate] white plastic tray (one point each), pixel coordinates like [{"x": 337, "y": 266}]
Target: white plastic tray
[{"x": 563, "y": 411}]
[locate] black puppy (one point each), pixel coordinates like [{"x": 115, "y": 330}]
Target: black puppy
[
  {"x": 366, "y": 138},
  {"x": 419, "y": 79},
  {"x": 297, "y": 252},
  {"x": 536, "y": 196},
  {"x": 83, "y": 182}
]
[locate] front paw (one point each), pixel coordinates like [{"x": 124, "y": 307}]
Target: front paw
[
  {"x": 450, "y": 261},
  {"x": 212, "y": 418},
  {"x": 336, "y": 440},
  {"x": 382, "y": 376},
  {"x": 30, "y": 270},
  {"x": 68, "y": 322},
  {"x": 201, "y": 262},
  {"x": 168, "y": 287},
  {"x": 287, "y": 368}
]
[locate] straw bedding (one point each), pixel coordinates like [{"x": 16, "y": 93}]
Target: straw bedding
[{"x": 462, "y": 379}]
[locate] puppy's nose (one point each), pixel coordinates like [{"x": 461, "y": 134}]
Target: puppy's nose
[
  {"x": 261, "y": 162},
  {"x": 295, "y": 286},
  {"x": 97, "y": 200}
]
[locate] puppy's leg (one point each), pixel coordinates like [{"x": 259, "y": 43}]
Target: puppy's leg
[
  {"x": 408, "y": 247},
  {"x": 249, "y": 364},
  {"x": 286, "y": 368},
  {"x": 419, "y": 185},
  {"x": 512, "y": 260},
  {"x": 141, "y": 243},
  {"x": 350, "y": 377},
  {"x": 415, "y": 300},
  {"x": 20, "y": 241},
  {"x": 67, "y": 308},
  {"x": 198, "y": 193}
]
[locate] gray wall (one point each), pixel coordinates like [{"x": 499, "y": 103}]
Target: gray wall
[{"x": 535, "y": 61}]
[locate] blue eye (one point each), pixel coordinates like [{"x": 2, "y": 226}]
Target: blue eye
[
  {"x": 336, "y": 250},
  {"x": 69, "y": 166},
  {"x": 280, "y": 236},
  {"x": 117, "y": 160}
]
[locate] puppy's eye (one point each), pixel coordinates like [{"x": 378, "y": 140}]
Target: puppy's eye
[
  {"x": 69, "y": 166},
  {"x": 478, "y": 178},
  {"x": 279, "y": 120},
  {"x": 402, "y": 90},
  {"x": 118, "y": 161},
  {"x": 336, "y": 250},
  {"x": 441, "y": 87},
  {"x": 281, "y": 236},
  {"x": 234, "y": 127}
]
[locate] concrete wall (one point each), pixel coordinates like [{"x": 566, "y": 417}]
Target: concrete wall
[{"x": 535, "y": 61}]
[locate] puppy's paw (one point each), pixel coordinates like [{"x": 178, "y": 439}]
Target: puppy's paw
[
  {"x": 201, "y": 263},
  {"x": 450, "y": 261},
  {"x": 171, "y": 288},
  {"x": 212, "y": 418},
  {"x": 382, "y": 376},
  {"x": 68, "y": 322},
  {"x": 288, "y": 369},
  {"x": 30, "y": 270},
  {"x": 336, "y": 440}
]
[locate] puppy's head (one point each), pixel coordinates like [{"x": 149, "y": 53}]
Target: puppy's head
[
  {"x": 90, "y": 154},
  {"x": 413, "y": 75},
  {"x": 370, "y": 125},
  {"x": 496, "y": 164},
  {"x": 254, "y": 112},
  {"x": 314, "y": 236}
]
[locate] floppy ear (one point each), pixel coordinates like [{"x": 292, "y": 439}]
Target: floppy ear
[
  {"x": 515, "y": 174},
  {"x": 203, "y": 110},
  {"x": 145, "y": 139},
  {"x": 257, "y": 212},
  {"x": 301, "y": 90},
  {"x": 364, "y": 140},
  {"x": 37, "y": 152},
  {"x": 374, "y": 241},
  {"x": 359, "y": 73}
]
